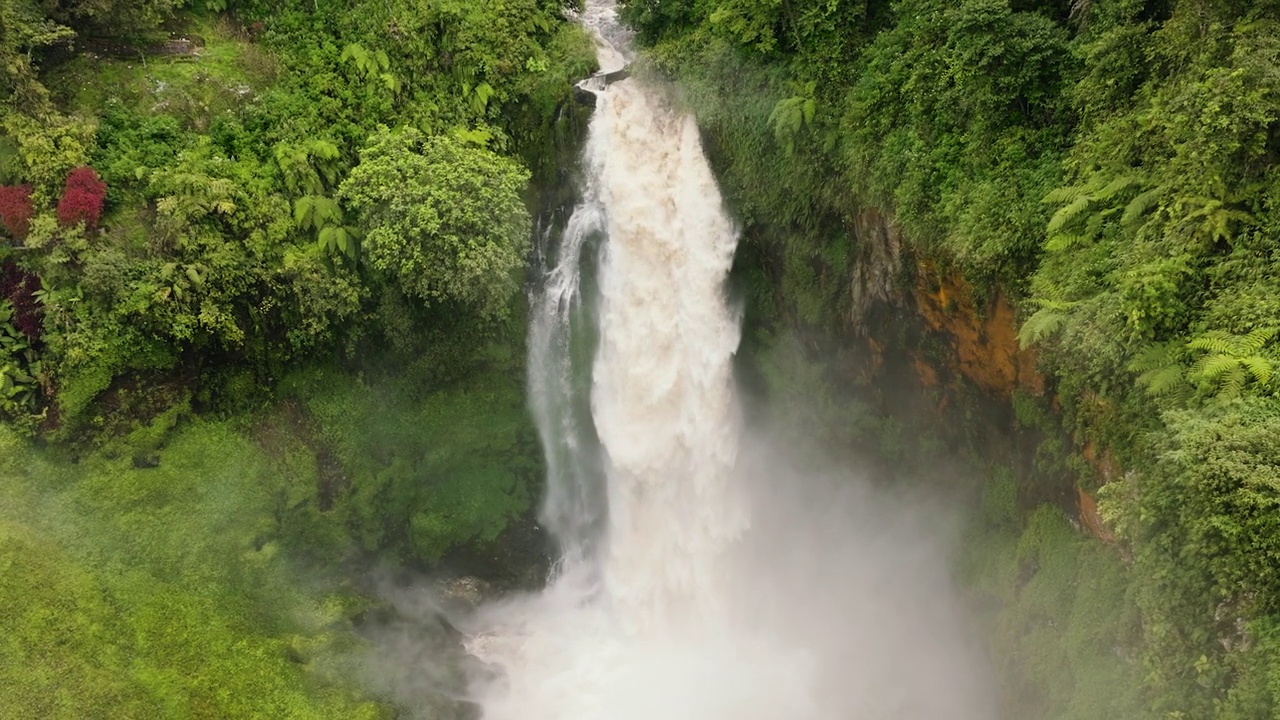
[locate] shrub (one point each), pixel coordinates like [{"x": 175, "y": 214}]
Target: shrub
[
  {"x": 82, "y": 198},
  {"x": 19, "y": 287},
  {"x": 16, "y": 209}
]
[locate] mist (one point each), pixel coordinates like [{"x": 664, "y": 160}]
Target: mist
[{"x": 837, "y": 602}]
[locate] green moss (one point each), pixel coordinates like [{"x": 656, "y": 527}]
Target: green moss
[
  {"x": 131, "y": 592},
  {"x": 221, "y": 73},
  {"x": 429, "y": 469}
]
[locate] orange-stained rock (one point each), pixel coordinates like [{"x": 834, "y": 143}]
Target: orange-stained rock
[
  {"x": 986, "y": 343},
  {"x": 1101, "y": 461},
  {"x": 1091, "y": 519},
  {"x": 928, "y": 376}
]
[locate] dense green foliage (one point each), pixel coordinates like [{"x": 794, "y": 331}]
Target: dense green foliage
[
  {"x": 222, "y": 221},
  {"x": 219, "y": 582},
  {"x": 229, "y": 243},
  {"x": 1112, "y": 167}
]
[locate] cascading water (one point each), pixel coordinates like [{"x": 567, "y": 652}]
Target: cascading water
[{"x": 675, "y": 598}]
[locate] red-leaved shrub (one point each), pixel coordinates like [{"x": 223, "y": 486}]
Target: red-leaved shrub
[
  {"x": 16, "y": 209},
  {"x": 20, "y": 287},
  {"x": 82, "y": 198}
]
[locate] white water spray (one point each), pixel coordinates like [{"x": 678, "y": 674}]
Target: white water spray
[{"x": 675, "y": 599}]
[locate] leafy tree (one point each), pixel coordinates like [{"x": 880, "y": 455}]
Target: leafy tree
[
  {"x": 442, "y": 219},
  {"x": 1203, "y": 520},
  {"x": 113, "y": 18},
  {"x": 1229, "y": 361},
  {"x": 24, "y": 29},
  {"x": 50, "y": 146}
]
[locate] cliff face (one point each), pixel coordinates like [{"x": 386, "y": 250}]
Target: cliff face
[
  {"x": 938, "y": 354},
  {"x": 981, "y": 334}
]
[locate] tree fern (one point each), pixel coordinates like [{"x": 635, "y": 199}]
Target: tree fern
[
  {"x": 789, "y": 117},
  {"x": 1209, "y": 220},
  {"x": 1139, "y": 206},
  {"x": 1260, "y": 368},
  {"x": 1093, "y": 226},
  {"x": 1231, "y": 361},
  {"x": 1063, "y": 241},
  {"x": 1045, "y": 322},
  {"x": 1224, "y": 343},
  {"x": 1160, "y": 369},
  {"x": 311, "y": 167},
  {"x": 1257, "y": 339},
  {"x": 1215, "y": 341},
  {"x": 1097, "y": 200},
  {"x": 325, "y": 158},
  {"x": 1230, "y": 382},
  {"x": 1165, "y": 381},
  {"x": 1212, "y": 367},
  {"x": 1115, "y": 187},
  {"x": 1067, "y": 213},
  {"x": 1064, "y": 195}
]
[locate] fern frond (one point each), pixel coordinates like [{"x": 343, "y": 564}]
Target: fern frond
[
  {"x": 1114, "y": 187},
  {"x": 1139, "y": 206},
  {"x": 1067, "y": 213},
  {"x": 1093, "y": 226},
  {"x": 1162, "y": 381},
  {"x": 1251, "y": 343},
  {"x": 1063, "y": 241},
  {"x": 323, "y": 149},
  {"x": 1056, "y": 304},
  {"x": 1232, "y": 382},
  {"x": 1214, "y": 367},
  {"x": 1215, "y": 341},
  {"x": 1044, "y": 322},
  {"x": 1155, "y": 357},
  {"x": 1063, "y": 195},
  {"x": 1259, "y": 368},
  {"x": 1160, "y": 367}
]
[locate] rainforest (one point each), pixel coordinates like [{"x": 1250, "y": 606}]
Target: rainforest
[{"x": 682, "y": 359}]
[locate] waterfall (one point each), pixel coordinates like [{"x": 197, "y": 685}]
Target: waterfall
[
  {"x": 663, "y": 605},
  {"x": 661, "y": 392}
]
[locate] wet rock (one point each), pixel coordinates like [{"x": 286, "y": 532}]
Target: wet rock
[
  {"x": 583, "y": 96},
  {"x": 467, "y": 590},
  {"x": 584, "y": 93},
  {"x": 616, "y": 76}
]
